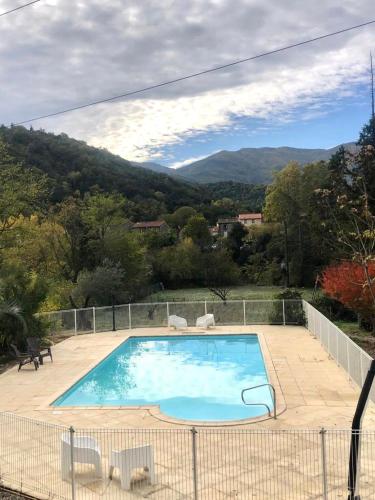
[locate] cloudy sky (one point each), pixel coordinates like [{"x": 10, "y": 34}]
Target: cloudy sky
[{"x": 63, "y": 53}]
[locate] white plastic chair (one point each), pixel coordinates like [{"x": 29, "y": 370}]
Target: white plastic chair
[
  {"x": 130, "y": 459},
  {"x": 85, "y": 451},
  {"x": 177, "y": 321},
  {"x": 206, "y": 321}
]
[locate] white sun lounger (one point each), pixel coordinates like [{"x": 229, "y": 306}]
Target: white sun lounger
[
  {"x": 85, "y": 451},
  {"x": 206, "y": 321},
  {"x": 128, "y": 460},
  {"x": 177, "y": 322}
]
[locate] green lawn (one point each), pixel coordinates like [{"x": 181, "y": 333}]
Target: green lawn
[{"x": 247, "y": 292}]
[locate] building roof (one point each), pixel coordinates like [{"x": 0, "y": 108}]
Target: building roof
[
  {"x": 250, "y": 216},
  {"x": 229, "y": 220},
  {"x": 147, "y": 224}
]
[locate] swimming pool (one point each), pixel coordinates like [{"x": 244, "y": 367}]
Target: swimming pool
[{"x": 192, "y": 377}]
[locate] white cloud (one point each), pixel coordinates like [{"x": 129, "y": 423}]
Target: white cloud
[
  {"x": 109, "y": 48},
  {"x": 180, "y": 164},
  {"x": 149, "y": 125}
]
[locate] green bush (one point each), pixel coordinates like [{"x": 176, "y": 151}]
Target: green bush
[
  {"x": 27, "y": 292},
  {"x": 293, "y": 307},
  {"x": 333, "y": 309}
]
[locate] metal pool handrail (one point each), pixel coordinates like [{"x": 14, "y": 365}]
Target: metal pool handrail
[{"x": 262, "y": 404}]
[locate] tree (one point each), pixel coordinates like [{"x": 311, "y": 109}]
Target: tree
[
  {"x": 101, "y": 286},
  {"x": 197, "y": 229},
  {"x": 367, "y": 134},
  {"x": 265, "y": 244},
  {"x": 180, "y": 265},
  {"x": 348, "y": 283},
  {"x": 235, "y": 242},
  {"x": 292, "y": 201},
  {"x": 126, "y": 249},
  {"x": 354, "y": 229},
  {"x": 24, "y": 292},
  {"x": 180, "y": 217},
  {"x": 283, "y": 196},
  {"x": 67, "y": 239},
  {"x": 351, "y": 224},
  {"x": 363, "y": 162},
  {"x": 220, "y": 272},
  {"x": 155, "y": 240},
  {"x": 10, "y": 315},
  {"x": 101, "y": 213},
  {"x": 22, "y": 191},
  {"x": 350, "y": 169},
  {"x": 339, "y": 171}
]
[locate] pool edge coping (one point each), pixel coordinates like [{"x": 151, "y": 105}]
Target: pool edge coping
[{"x": 154, "y": 410}]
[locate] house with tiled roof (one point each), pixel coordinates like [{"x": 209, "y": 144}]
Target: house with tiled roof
[
  {"x": 250, "y": 219},
  {"x": 152, "y": 225}
]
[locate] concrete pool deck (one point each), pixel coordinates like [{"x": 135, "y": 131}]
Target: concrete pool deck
[{"x": 312, "y": 391}]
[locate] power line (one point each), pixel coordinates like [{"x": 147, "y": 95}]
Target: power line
[
  {"x": 194, "y": 75},
  {"x": 19, "y": 8}
]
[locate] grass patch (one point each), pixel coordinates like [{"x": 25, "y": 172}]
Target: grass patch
[{"x": 245, "y": 292}]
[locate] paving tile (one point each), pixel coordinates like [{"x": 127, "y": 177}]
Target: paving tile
[{"x": 314, "y": 389}]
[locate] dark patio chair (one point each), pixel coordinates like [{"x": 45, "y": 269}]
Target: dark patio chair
[
  {"x": 37, "y": 349},
  {"x": 24, "y": 358}
]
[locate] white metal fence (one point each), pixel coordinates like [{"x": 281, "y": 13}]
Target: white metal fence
[
  {"x": 234, "y": 312},
  {"x": 342, "y": 349},
  {"x": 188, "y": 463},
  {"x": 354, "y": 360}
]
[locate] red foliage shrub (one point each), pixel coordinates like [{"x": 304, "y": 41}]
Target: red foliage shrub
[{"x": 347, "y": 283}]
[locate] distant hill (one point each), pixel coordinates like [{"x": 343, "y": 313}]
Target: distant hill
[
  {"x": 155, "y": 167},
  {"x": 251, "y": 197},
  {"x": 74, "y": 166},
  {"x": 251, "y": 165}
]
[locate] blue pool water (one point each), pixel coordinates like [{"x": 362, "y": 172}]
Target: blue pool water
[{"x": 190, "y": 377}]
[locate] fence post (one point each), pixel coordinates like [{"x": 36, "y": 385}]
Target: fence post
[
  {"x": 284, "y": 322},
  {"x": 75, "y": 321},
  {"x": 94, "y": 319},
  {"x": 323, "y": 433},
  {"x": 244, "y": 313},
  {"x": 168, "y": 314},
  {"x": 130, "y": 318},
  {"x": 205, "y": 307},
  {"x": 113, "y": 316},
  {"x": 194, "y": 433},
  {"x": 71, "y": 432}
]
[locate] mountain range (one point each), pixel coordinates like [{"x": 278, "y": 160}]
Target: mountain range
[
  {"x": 155, "y": 167},
  {"x": 73, "y": 167},
  {"x": 248, "y": 165}
]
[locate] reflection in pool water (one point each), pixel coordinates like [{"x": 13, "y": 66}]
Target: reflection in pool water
[{"x": 190, "y": 377}]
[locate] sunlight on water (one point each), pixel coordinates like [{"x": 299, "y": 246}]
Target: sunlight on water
[{"x": 190, "y": 377}]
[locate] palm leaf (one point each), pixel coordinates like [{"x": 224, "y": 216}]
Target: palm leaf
[{"x": 12, "y": 310}]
